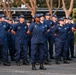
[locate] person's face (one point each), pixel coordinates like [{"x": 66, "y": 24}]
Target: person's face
[
  {"x": 54, "y": 18},
  {"x": 37, "y": 19},
  {"x": 61, "y": 22},
  {"x": 15, "y": 22},
  {"x": 42, "y": 18},
  {"x": 65, "y": 20},
  {"x": 69, "y": 21},
  {"x": 10, "y": 22},
  {"x": 3, "y": 18},
  {"x": 22, "y": 20},
  {"x": 28, "y": 24},
  {"x": 47, "y": 17}
]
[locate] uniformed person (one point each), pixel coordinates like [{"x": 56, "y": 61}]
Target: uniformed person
[
  {"x": 29, "y": 38},
  {"x": 10, "y": 40},
  {"x": 3, "y": 18},
  {"x": 3, "y": 41},
  {"x": 71, "y": 38},
  {"x": 50, "y": 35},
  {"x": 55, "y": 19},
  {"x": 16, "y": 21},
  {"x": 61, "y": 32},
  {"x": 37, "y": 31},
  {"x": 20, "y": 30},
  {"x": 42, "y": 20}
]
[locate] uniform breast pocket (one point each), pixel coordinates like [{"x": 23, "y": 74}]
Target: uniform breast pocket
[
  {"x": 4, "y": 27},
  {"x": 25, "y": 27},
  {"x": 18, "y": 28}
]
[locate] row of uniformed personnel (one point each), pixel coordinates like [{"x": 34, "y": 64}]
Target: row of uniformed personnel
[{"x": 16, "y": 38}]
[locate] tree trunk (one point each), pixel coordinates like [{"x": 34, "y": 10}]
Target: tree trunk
[
  {"x": 32, "y": 6},
  {"x": 7, "y": 8},
  {"x": 68, "y": 11},
  {"x": 50, "y": 6}
]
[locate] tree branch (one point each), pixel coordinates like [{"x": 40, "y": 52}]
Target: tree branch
[
  {"x": 58, "y": 6},
  {"x": 64, "y": 6},
  {"x": 24, "y": 2},
  {"x": 71, "y": 5},
  {"x": 49, "y": 4}
]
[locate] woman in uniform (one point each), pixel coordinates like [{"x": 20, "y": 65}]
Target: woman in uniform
[{"x": 37, "y": 31}]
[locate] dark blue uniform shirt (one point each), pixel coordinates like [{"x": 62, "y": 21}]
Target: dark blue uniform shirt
[
  {"x": 3, "y": 30},
  {"x": 71, "y": 34},
  {"x": 50, "y": 23},
  {"x": 21, "y": 35},
  {"x": 37, "y": 31},
  {"x": 55, "y": 23},
  {"x": 46, "y": 28},
  {"x": 74, "y": 26},
  {"x": 62, "y": 32}
]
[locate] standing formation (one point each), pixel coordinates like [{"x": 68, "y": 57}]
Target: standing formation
[{"x": 33, "y": 42}]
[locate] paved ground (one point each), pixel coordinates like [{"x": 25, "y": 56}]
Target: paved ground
[{"x": 62, "y": 69}]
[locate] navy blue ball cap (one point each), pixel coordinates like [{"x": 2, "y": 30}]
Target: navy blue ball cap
[
  {"x": 47, "y": 14},
  {"x": 61, "y": 19},
  {"x": 41, "y": 14},
  {"x": 27, "y": 21},
  {"x": 69, "y": 18},
  {"x": 10, "y": 19},
  {"x": 37, "y": 16},
  {"x": 54, "y": 15},
  {"x": 16, "y": 19},
  {"x": 64, "y": 17},
  {"x": 7, "y": 18},
  {"x": 21, "y": 16},
  {"x": 3, "y": 15}
]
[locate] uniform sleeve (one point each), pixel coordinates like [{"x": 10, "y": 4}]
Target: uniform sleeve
[
  {"x": 26, "y": 26},
  {"x": 74, "y": 26},
  {"x": 52, "y": 23},
  {"x": 15, "y": 27},
  {"x": 7, "y": 26},
  {"x": 56, "y": 30},
  {"x": 31, "y": 27}
]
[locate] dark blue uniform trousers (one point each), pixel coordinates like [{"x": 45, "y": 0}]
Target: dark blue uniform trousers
[
  {"x": 46, "y": 51},
  {"x": 35, "y": 48},
  {"x": 21, "y": 48},
  {"x": 70, "y": 47},
  {"x": 59, "y": 46},
  {"x": 51, "y": 42},
  {"x": 4, "y": 51}
]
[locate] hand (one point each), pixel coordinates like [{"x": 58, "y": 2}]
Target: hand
[
  {"x": 55, "y": 34},
  {"x": 52, "y": 26},
  {"x": 48, "y": 30}
]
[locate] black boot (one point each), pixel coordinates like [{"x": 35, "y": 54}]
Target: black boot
[
  {"x": 25, "y": 63},
  {"x": 72, "y": 56},
  {"x": 18, "y": 63},
  {"x": 47, "y": 63},
  {"x": 69, "y": 59},
  {"x": 42, "y": 67},
  {"x": 65, "y": 61},
  {"x": 57, "y": 61},
  {"x": 34, "y": 67},
  {"x": 6, "y": 63}
]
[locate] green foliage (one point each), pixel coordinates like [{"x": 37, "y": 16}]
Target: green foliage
[
  {"x": 75, "y": 37},
  {"x": 16, "y": 3},
  {"x": 74, "y": 19},
  {"x": 74, "y": 15},
  {"x": 42, "y": 3}
]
